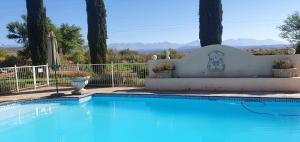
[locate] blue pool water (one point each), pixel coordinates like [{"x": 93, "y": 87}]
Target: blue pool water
[{"x": 137, "y": 119}]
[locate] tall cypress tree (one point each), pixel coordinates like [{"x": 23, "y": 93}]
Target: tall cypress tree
[
  {"x": 37, "y": 31},
  {"x": 211, "y": 28},
  {"x": 97, "y": 30}
]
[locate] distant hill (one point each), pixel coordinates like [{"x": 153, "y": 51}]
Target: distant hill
[
  {"x": 160, "y": 46},
  {"x": 10, "y": 46},
  {"x": 145, "y": 46},
  {"x": 11, "y": 50},
  {"x": 252, "y": 42},
  {"x": 239, "y": 43},
  {"x": 243, "y": 42}
]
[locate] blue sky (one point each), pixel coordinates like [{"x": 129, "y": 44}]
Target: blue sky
[{"x": 162, "y": 20}]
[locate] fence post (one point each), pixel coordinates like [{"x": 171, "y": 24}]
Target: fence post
[
  {"x": 47, "y": 75},
  {"x": 112, "y": 75},
  {"x": 77, "y": 66},
  {"x": 17, "y": 80},
  {"x": 34, "y": 77}
]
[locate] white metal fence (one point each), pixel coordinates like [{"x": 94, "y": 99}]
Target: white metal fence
[{"x": 102, "y": 75}]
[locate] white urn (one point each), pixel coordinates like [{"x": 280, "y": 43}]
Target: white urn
[{"x": 79, "y": 83}]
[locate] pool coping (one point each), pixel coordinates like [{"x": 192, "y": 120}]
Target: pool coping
[
  {"x": 154, "y": 95},
  {"x": 197, "y": 96}
]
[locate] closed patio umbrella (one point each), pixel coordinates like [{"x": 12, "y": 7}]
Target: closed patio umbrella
[{"x": 53, "y": 56}]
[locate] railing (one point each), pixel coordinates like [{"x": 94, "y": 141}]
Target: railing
[
  {"x": 25, "y": 77},
  {"x": 102, "y": 75}
]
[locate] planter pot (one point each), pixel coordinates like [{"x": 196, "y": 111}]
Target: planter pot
[
  {"x": 164, "y": 74},
  {"x": 79, "y": 83},
  {"x": 285, "y": 73}
]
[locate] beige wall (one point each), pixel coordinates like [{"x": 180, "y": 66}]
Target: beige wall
[
  {"x": 224, "y": 84},
  {"x": 238, "y": 63}
]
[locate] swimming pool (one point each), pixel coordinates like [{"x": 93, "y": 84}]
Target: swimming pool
[{"x": 146, "y": 119}]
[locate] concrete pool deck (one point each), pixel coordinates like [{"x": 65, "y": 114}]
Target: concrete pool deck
[{"x": 46, "y": 92}]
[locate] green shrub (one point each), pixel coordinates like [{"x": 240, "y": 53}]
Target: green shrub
[
  {"x": 3, "y": 53},
  {"x": 141, "y": 70},
  {"x": 78, "y": 74},
  {"x": 120, "y": 79},
  {"x": 163, "y": 67},
  {"x": 9, "y": 61},
  {"x": 283, "y": 64},
  {"x": 5, "y": 88},
  {"x": 268, "y": 51}
]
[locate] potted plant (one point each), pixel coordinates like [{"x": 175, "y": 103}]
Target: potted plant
[
  {"x": 284, "y": 68},
  {"x": 164, "y": 70},
  {"x": 79, "y": 79}
]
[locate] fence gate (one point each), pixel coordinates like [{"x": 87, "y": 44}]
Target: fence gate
[
  {"x": 41, "y": 76},
  {"x": 28, "y": 77}
]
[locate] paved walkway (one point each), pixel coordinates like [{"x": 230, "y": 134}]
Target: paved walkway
[{"x": 46, "y": 92}]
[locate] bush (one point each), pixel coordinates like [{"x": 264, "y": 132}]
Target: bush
[
  {"x": 78, "y": 74},
  {"x": 283, "y": 64},
  {"x": 9, "y": 61},
  {"x": 142, "y": 71},
  {"x": 27, "y": 72},
  {"x": 268, "y": 52},
  {"x": 120, "y": 79},
  {"x": 5, "y": 88},
  {"x": 163, "y": 67},
  {"x": 67, "y": 73},
  {"x": 3, "y": 53}
]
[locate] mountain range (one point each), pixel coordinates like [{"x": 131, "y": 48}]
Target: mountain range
[{"x": 241, "y": 43}]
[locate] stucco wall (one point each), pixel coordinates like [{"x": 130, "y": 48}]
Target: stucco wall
[
  {"x": 237, "y": 63},
  {"x": 224, "y": 84}
]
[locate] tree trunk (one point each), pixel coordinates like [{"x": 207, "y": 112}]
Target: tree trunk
[
  {"x": 211, "y": 28},
  {"x": 97, "y": 32},
  {"x": 37, "y": 31}
]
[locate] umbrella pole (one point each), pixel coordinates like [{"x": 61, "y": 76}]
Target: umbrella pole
[{"x": 56, "y": 83}]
